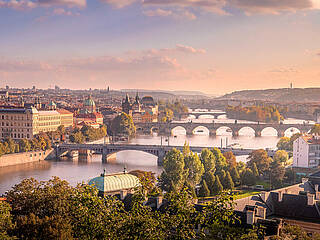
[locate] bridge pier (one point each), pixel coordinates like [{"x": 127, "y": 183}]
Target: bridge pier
[
  {"x": 189, "y": 132},
  {"x": 280, "y": 133},
  {"x": 213, "y": 132},
  {"x": 257, "y": 133},
  {"x": 235, "y": 133}
]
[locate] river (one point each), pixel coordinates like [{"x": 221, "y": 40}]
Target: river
[{"x": 83, "y": 170}]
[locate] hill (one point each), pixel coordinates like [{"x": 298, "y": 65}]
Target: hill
[{"x": 283, "y": 95}]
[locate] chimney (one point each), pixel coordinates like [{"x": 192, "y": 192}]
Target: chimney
[
  {"x": 123, "y": 194},
  {"x": 261, "y": 212},
  {"x": 264, "y": 196},
  {"x": 280, "y": 195},
  {"x": 310, "y": 199},
  {"x": 250, "y": 217},
  {"x": 159, "y": 201}
]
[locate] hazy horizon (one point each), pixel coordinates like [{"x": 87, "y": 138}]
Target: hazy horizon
[{"x": 212, "y": 46}]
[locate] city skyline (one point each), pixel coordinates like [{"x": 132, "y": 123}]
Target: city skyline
[{"x": 214, "y": 46}]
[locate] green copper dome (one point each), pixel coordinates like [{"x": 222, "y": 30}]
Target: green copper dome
[
  {"x": 115, "y": 182},
  {"x": 89, "y": 102}
]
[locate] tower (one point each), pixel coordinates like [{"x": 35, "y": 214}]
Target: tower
[{"x": 126, "y": 105}]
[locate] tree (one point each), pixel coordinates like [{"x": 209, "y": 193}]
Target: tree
[
  {"x": 210, "y": 180},
  {"x": 208, "y": 160},
  {"x": 77, "y": 137},
  {"x": 186, "y": 149},
  {"x": 25, "y": 145},
  {"x": 231, "y": 159},
  {"x": 294, "y": 232},
  {"x": 255, "y": 170},
  {"x": 174, "y": 174},
  {"x": 315, "y": 129},
  {"x": 221, "y": 162},
  {"x": 261, "y": 159},
  {"x": 204, "y": 190},
  {"x": 281, "y": 156},
  {"x": 123, "y": 125},
  {"x": 247, "y": 177},
  {"x": 5, "y": 220},
  {"x": 217, "y": 187},
  {"x": 235, "y": 176},
  {"x": 284, "y": 144},
  {"x": 194, "y": 167},
  {"x": 228, "y": 183},
  {"x": 277, "y": 172}
]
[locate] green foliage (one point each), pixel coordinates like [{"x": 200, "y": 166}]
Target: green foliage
[
  {"x": 235, "y": 176},
  {"x": 228, "y": 183},
  {"x": 204, "y": 190},
  {"x": 281, "y": 156},
  {"x": 174, "y": 173},
  {"x": 5, "y": 220},
  {"x": 261, "y": 159},
  {"x": 277, "y": 172},
  {"x": 294, "y": 232},
  {"x": 77, "y": 137},
  {"x": 217, "y": 187},
  {"x": 194, "y": 167},
  {"x": 210, "y": 180},
  {"x": 315, "y": 129},
  {"x": 123, "y": 125},
  {"x": 255, "y": 113},
  {"x": 248, "y": 178},
  {"x": 170, "y": 110},
  {"x": 255, "y": 170},
  {"x": 286, "y": 143},
  {"x": 88, "y": 133},
  {"x": 208, "y": 160},
  {"x": 220, "y": 160}
]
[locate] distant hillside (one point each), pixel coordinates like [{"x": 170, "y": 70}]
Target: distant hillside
[{"x": 283, "y": 95}]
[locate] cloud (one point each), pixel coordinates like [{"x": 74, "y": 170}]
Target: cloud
[
  {"x": 119, "y": 3},
  {"x": 272, "y": 6},
  {"x": 284, "y": 70},
  {"x": 188, "y": 49},
  {"x": 18, "y": 5},
  {"x": 30, "y": 4},
  {"x": 64, "y": 12},
  {"x": 185, "y": 14},
  {"x": 24, "y": 66}
]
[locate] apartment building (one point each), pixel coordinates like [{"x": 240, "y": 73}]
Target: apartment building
[
  {"x": 24, "y": 123},
  {"x": 306, "y": 151}
]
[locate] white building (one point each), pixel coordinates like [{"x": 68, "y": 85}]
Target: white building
[{"x": 306, "y": 151}]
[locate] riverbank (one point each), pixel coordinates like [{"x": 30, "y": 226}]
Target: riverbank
[{"x": 26, "y": 157}]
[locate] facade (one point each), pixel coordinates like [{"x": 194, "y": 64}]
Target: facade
[
  {"x": 306, "y": 151},
  {"x": 23, "y": 123}
]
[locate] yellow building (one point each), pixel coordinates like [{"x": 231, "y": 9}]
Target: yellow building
[{"x": 24, "y": 123}]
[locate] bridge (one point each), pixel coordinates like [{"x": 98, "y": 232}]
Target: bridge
[
  {"x": 192, "y": 127},
  {"x": 198, "y": 114},
  {"x": 109, "y": 151}
]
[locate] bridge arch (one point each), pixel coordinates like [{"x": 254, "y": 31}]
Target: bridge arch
[
  {"x": 206, "y": 116},
  {"x": 247, "y": 131},
  {"x": 191, "y": 116},
  {"x": 224, "y": 130},
  {"x": 291, "y": 131},
  {"x": 201, "y": 130},
  {"x": 178, "y": 130},
  {"x": 222, "y": 116},
  {"x": 268, "y": 131},
  {"x": 129, "y": 156}
]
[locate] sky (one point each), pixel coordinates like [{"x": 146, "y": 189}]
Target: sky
[{"x": 213, "y": 46}]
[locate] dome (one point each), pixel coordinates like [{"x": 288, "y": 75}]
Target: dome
[
  {"x": 147, "y": 100},
  {"x": 89, "y": 102},
  {"x": 115, "y": 182}
]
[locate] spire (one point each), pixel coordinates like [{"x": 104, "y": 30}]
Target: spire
[
  {"x": 137, "y": 98},
  {"x": 127, "y": 98}
]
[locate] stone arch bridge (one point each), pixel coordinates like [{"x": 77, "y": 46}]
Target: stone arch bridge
[
  {"x": 166, "y": 128},
  {"x": 109, "y": 150},
  {"x": 198, "y": 114}
]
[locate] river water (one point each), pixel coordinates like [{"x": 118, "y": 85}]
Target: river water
[{"x": 83, "y": 170}]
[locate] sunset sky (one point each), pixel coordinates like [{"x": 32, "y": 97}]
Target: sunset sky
[{"x": 214, "y": 46}]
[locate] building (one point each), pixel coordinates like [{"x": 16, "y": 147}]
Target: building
[
  {"x": 306, "y": 151},
  {"x": 115, "y": 184},
  {"x": 296, "y": 205},
  {"x": 88, "y": 114},
  {"x": 143, "y": 111},
  {"x": 23, "y": 123}
]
